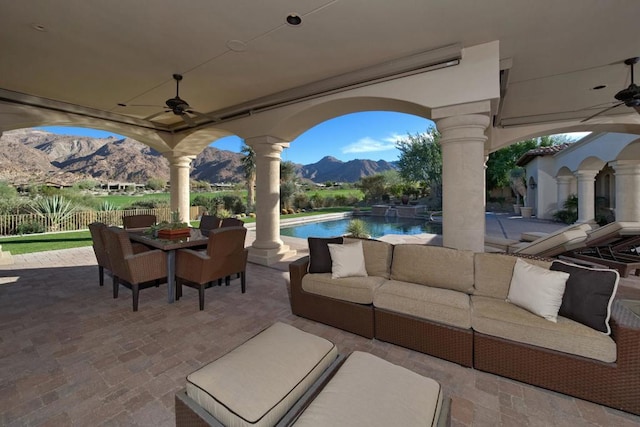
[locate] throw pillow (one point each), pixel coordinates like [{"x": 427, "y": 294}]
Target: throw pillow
[
  {"x": 588, "y": 295},
  {"x": 537, "y": 289},
  {"x": 319, "y": 256},
  {"x": 347, "y": 260}
]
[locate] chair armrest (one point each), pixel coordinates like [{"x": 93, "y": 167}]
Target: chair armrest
[
  {"x": 625, "y": 331},
  {"x": 146, "y": 266},
  {"x": 191, "y": 253},
  {"x": 297, "y": 270}
]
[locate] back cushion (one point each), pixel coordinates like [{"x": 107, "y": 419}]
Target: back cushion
[
  {"x": 494, "y": 271},
  {"x": 433, "y": 266},
  {"x": 377, "y": 256}
]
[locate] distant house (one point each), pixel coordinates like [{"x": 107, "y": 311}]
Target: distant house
[{"x": 602, "y": 168}]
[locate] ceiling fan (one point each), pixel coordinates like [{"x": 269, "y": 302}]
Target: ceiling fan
[
  {"x": 177, "y": 106},
  {"x": 629, "y": 96}
]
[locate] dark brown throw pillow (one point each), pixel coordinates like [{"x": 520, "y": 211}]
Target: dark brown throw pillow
[
  {"x": 588, "y": 295},
  {"x": 319, "y": 255}
]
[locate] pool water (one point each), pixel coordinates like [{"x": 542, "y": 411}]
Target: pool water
[{"x": 377, "y": 226}]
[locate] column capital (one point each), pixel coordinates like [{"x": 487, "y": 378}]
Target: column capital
[
  {"x": 586, "y": 175},
  {"x": 463, "y": 128},
  {"x": 267, "y": 145},
  {"x": 624, "y": 167},
  {"x": 179, "y": 159},
  {"x": 564, "y": 179}
]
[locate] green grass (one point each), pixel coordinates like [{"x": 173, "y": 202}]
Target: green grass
[
  {"x": 18, "y": 245},
  {"x": 45, "y": 242}
]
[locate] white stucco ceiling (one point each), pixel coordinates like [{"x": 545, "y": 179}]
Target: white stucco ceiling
[{"x": 95, "y": 54}]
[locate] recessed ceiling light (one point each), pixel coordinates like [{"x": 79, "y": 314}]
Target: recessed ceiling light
[
  {"x": 294, "y": 19},
  {"x": 39, "y": 27},
  {"x": 598, "y": 87}
]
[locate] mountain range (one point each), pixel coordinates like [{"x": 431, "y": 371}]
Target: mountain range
[{"x": 36, "y": 156}]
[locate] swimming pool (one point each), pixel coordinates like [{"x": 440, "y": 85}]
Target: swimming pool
[{"x": 377, "y": 225}]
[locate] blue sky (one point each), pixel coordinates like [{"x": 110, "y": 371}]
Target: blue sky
[{"x": 369, "y": 135}]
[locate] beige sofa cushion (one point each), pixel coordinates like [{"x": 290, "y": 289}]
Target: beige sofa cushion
[
  {"x": 354, "y": 289},
  {"x": 259, "y": 381},
  {"x": 501, "y": 319},
  {"x": 433, "y": 266},
  {"x": 377, "y": 256},
  {"x": 369, "y": 391},
  {"x": 435, "y": 304},
  {"x": 494, "y": 271}
]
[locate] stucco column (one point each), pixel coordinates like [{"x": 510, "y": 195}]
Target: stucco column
[
  {"x": 179, "y": 168},
  {"x": 564, "y": 190},
  {"x": 463, "y": 192},
  {"x": 586, "y": 195},
  {"x": 627, "y": 190},
  {"x": 268, "y": 248}
]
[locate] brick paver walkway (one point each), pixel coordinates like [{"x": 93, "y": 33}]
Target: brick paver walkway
[{"x": 70, "y": 354}]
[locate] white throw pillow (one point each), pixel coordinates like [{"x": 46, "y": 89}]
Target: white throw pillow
[
  {"x": 347, "y": 260},
  {"x": 537, "y": 289}
]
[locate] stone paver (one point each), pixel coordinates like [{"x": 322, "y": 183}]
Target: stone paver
[{"x": 70, "y": 354}]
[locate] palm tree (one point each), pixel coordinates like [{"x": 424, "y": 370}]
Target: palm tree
[{"x": 249, "y": 165}]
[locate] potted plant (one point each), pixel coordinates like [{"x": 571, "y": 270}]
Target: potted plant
[{"x": 173, "y": 229}]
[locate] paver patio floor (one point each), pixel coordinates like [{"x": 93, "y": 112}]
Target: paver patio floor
[{"x": 70, "y": 354}]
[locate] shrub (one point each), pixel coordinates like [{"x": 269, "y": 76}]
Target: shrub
[
  {"x": 54, "y": 209},
  {"x": 291, "y": 211},
  {"x": 233, "y": 203},
  {"x": 357, "y": 228},
  {"x": 569, "y": 214},
  {"x": 30, "y": 227},
  {"x": 148, "y": 204},
  {"x": 156, "y": 184},
  {"x": 283, "y": 211},
  {"x": 301, "y": 201},
  {"x": 252, "y": 215},
  {"x": 223, "y": 213}
]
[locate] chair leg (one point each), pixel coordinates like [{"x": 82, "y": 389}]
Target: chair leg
[
  {"x": 101, "y": 275},
  {"x": 201, "y": 296},
  {"x": 219, "y": 282},
  {"x": 178, "y": 289},
  {"x": 116, "y": 286},
  {"x": 243, "y": 281},
  {"x": 135, "y": 290},
  {"x": 227, "y": 280}
]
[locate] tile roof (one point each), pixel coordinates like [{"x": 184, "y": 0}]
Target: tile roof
[{"x": 541, "y": 151}]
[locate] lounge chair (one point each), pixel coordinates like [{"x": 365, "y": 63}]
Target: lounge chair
[
  {"x": 613, "y": 245},
  {"x": 554, "y": 244}
]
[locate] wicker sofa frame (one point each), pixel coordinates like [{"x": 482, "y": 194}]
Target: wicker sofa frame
[{"x": 616, "y": 385}]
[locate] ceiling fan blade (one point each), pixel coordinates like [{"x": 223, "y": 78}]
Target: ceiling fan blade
[
  {"x": 601, "y": 112},
  {"x": 154, "y": 115},
  {"x": 188, "y": 119},
  {"x": 140, "y": 105}
]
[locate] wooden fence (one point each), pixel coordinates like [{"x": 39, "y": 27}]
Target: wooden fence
[{"x": 9, "y": 224}]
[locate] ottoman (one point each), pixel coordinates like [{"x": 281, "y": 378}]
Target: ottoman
[
  {"x": 258, "y": 382},
  {"x": 368, "y": 391}
]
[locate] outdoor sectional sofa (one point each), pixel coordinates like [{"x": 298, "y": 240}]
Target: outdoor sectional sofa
[{"x": 453, "y": 304}]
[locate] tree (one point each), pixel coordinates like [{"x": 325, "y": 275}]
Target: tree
[
  {"x": 249, "y": 166},
  {"x": 421, "y": 159},
  {"x": 373, "y": 187}
]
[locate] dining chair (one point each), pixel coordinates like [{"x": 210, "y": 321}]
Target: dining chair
[
  {"x": 99, "y": 249},
  {"x": 225, "y": 255},
  {"x": 208, "y": 223},
  {"x": 232, "y": 222},
  {"x": 138, "y": 221},
  {"x": 133, "y": 270}
]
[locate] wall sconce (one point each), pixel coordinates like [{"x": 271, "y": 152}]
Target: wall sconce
[{"x": 533, "y": 185}]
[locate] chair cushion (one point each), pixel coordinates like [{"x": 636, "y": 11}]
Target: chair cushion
[
  {"x": 353, "y": 289},
  {"x": 259, "y": 381},
  {"x": 498, "y": 318},
  {"x": 425, "y": 302},
  {"x": 588, "y": 295},
  {"x": 369, "y": 391},
  {"x": 493, "y": 273},
  {"x": 319, "y": 256}
]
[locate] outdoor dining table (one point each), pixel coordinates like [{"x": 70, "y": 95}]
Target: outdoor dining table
[{"x": 196, "y": 238}]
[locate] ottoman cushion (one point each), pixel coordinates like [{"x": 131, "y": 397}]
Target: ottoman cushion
[
  {"x": 369, "y": 391},
  {"x": 256, "y": 383}
]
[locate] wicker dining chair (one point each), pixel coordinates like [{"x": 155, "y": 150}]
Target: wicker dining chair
[
  {"x": 232, "y": 222},
  {"x": 95, "y": 228},
  {"x": 133, "y": 270},
  {"x": 138, "y": 221},
  {"x": 225, "y": 255},
  {"x": 208, "y": 223}
]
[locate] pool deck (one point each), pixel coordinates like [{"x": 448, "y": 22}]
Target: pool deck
[{"x": 70, "y": 354}]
